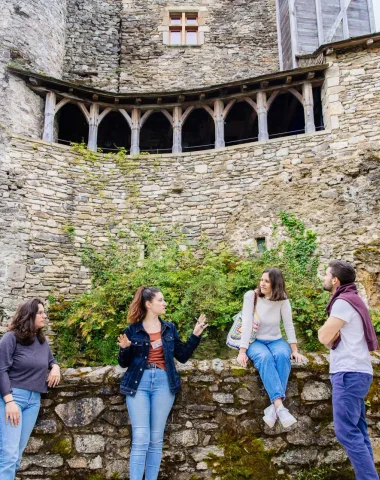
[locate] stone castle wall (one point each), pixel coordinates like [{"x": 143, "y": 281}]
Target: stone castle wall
[
  {"x": 118, "y": 45},
  {"x": 32, "y": 35},
  {"x": 53, "y": 198},
  {"x": 83, "y": 430},
  {"x": 93, "y": 43},
  {"x": 241, "y": 43}
]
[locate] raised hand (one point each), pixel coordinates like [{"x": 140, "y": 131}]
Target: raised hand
[
  {"x": 200, "y": 325},
  {"x": 123, "y": 341}
]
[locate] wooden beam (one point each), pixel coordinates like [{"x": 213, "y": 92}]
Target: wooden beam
[
  {"x": 262, "y": 113},
  {"x": 177, "y": 130},
  {"x": 93, "y": 127},
  {"x": 344, "y": 18},
  {"x": 219, "y": 124},
  {"x": 308, "y": 104},
  {"x": 293, "y": 31},
  {"x": 318, "y": 9},
  {"x": 343, "y": 12},
  {"x": 50, "y": 101}
]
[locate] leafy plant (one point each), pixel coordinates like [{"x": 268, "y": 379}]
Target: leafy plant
[{"x": 194, "y": 279}]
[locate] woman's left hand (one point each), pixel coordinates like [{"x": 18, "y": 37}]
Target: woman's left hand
[
  {"x": 200, "y": 325},
  {"x": 54, "y": 376},
  {"x": 297, "y": 357}
]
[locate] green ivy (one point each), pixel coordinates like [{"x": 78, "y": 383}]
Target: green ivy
[{"x": 194, "y": 279}]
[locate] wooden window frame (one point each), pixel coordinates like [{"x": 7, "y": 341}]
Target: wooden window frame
[{"x": 184, "y": 27}]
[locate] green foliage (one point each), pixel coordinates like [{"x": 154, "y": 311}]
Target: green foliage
[
  {"x": 206, "y": 278},
  {"x": 69, "y": 230},
  {"x": 327, "y": 472},
  {"x": 375, "y": 316},
  {"x": 244, "y": 458}
]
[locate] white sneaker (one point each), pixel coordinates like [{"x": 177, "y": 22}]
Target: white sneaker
[
  {"x": 285, "y": 417},
  {"x": 268, "y": 409},
  {"x": 270, "y": 416}
]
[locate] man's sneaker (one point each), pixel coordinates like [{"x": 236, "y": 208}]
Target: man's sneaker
[
  {"x": 270, "y": 416},
  {"x": 285, "y": 417}
]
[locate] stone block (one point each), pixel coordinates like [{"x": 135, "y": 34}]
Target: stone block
[
  {"x": 45, "y": 426},
  {"x": 184, "y": 438},
  {"x": 80, "y": 412},
  {"x": 316, "y": 391},
  {"x": 223, "y": 397},
  {"x": 89, "y": 443},
  {"x": 17, "y": 272}
]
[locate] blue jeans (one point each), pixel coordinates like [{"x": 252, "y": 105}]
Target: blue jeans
[
  {"x": 148, "y": 411},
  {"x": 13, "y": 440},
  {"x": 349, "y": 391},
  {"x": 272, "y": 360}
]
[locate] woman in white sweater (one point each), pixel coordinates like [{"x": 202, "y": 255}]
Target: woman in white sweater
[{"x": 270, "y": 353}]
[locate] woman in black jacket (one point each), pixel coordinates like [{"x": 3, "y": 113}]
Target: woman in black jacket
[{"x": 148, "y": 348}]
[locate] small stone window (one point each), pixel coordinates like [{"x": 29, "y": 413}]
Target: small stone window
[
  {"x": 261, "y": 244},
  {"x": 183, "y": 26}
]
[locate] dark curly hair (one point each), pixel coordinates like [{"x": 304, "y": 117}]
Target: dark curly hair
[{"x": 23, "y": 323}]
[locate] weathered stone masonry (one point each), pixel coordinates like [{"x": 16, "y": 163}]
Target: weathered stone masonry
[
  {"x": 84, "y": 429},
  {"x": 328, "y": 179}
]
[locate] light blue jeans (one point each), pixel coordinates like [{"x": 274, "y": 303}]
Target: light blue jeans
[
  {"x": 272, "y": 360},
  {"x": 148, "y": 411},
  {"x": 13, "y": 440}
]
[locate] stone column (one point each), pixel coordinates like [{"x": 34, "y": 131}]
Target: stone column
[
  {"x": 308, "y": 105},
  {"x": 50, "y": 103},
  {"x": 135, "y": 132},
  {"x": 219, "y": 124},
  {"x": 93, "y": 128},
  {"x": 177, "y": 130},
  {"x": 262, "y": 113}
]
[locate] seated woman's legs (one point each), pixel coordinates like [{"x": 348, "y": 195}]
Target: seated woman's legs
[
  {"x": 139, "y": 408},
  {"x": 280, "y": 350},
  {"x": 162, "y": 400},
  {"x": 264, "y": 361}
]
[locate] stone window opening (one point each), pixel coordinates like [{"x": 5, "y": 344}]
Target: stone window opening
[
  {"x": 261, "y": 244},
  {"x": 184, "y": 26}
]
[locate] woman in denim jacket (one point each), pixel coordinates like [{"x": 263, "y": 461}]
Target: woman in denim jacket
[{"x": 148, "y": 348}]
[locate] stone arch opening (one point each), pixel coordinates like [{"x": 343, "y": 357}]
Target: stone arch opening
[
  {"x": 198, "y": 131},
  {"x": 72, "y": 125},
  {"x": 286, "y": 116},
  {"x": 156, "y": 135},
  {"x": 318, "y": 111},
  {"x": 241, "y": 124},
  {"x": 114, "y": 132}
]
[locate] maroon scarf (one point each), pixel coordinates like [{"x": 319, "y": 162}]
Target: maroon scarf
[{"x": 350, "y": 294}]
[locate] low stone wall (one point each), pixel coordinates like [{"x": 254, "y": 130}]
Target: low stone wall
[{"x": 83, "y": 431}]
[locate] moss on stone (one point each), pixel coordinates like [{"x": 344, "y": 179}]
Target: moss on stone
[
  {"x": 62, "y": 446},
  {"x": 244, "y": 458}
]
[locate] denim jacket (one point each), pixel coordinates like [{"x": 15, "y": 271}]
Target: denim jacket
[{"x": 135, "y": 357}]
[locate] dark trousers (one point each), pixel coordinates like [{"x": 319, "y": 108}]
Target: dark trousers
[{"x": 349, "y": 391}]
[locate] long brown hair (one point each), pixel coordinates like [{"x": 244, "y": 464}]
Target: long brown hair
[
  {"x": 137, "y": 308},
  {"x": 23, "y": 322},
  {"x": 277, "y": 283}
]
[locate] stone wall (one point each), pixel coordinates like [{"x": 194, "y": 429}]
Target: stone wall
[
  {"x": 118, "y": 45},
  {"x": 241, "y": 43},
  {"x": 32, "y": 34},
  {"x": 54, "y": 198},
  {"x": 84, "y": 430},
  {"x": 93, "y": 42}
]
